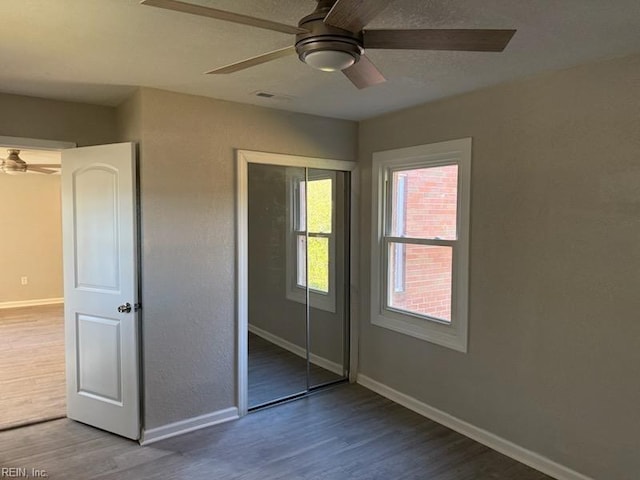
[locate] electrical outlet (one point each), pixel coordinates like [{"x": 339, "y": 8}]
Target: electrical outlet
[{"x": 24, "y": 280}]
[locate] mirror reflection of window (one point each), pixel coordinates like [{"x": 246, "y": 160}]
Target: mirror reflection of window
[{"x": 318, "y": 197}]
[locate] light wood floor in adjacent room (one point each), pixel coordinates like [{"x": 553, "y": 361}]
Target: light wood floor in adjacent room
[
  {"x": 32, "y": 368},
  {"x": 344, "y": 433}
]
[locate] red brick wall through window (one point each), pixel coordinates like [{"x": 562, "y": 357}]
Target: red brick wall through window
[{"x": 420, "y": 275}]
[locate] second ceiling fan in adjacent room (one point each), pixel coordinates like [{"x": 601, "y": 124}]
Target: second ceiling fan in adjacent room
[{"x": 14, "y": 165}]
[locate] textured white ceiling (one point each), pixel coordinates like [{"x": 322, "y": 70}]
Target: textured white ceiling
[{"x": 97, "y": 51}]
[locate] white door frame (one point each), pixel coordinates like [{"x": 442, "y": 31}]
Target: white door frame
[
  {"x": 24, "y": 143},
  {"x": 35, "y": 143},
  {"x": 243, "y": 159}
]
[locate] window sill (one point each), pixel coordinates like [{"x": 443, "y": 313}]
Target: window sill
[
  {"x": 321, "y": 302},
  {"x": 445, "y": 335}
]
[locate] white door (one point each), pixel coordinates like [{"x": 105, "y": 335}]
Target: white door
[{"x": 101, "y": 287}]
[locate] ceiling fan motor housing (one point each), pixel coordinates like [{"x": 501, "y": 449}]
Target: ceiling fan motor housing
[{"x": 321, "y": 37}]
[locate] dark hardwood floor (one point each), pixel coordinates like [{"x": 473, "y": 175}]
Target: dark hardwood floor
[
  {"x": 344, "y": 433},
  {"x": 275, "y": 372}
]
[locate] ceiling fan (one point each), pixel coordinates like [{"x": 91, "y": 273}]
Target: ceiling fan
[
  {"x": 14, "y": 165},
  {"x": 332, "y": 38}
]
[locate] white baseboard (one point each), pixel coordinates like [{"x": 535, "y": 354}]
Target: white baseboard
[
  {"x": 31, "y": 303},
  {"x": 510, "y": 449},
  {"x": 189, "y": 425},
  {"x": 301, "y": 352}
]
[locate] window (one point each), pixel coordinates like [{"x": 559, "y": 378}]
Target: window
[
  {"x": 420, "y": 244},
  {"x": 312, "y": 234}
]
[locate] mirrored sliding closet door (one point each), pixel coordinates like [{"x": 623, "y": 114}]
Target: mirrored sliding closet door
[{"x": 297, "y": 272}]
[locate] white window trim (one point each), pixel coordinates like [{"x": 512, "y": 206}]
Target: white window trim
[
  {"x": 319, "y": 300},
  {"x": 453, "y": 335}
]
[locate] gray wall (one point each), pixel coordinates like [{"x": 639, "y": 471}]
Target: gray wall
[
  {"x": 129, "y": 119},
  {"x": 555, "y": 253},
  {"x": 33, "y": 117},
  {"x": 187, "y": 181},
  {"x": 187, "y": 177},
  {"x": 39, "y": 227}
]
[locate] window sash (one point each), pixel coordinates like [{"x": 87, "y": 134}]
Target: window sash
[
  {"x": 297, "y": 222},
  {"x": 420, "y": 241},
  {"x": 301, "y": 268},
  {"x": 389, "y": 195},
  {"x": 313, "y": 234},
  {"x": 386, "y": 264},
  {"x": 400, "y": 272},
  {"x": 299, "y": 212}
]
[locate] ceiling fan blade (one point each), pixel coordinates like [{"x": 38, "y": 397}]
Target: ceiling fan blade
[
  {"x": 354, "y": 15},
  {"x": 203, "y": 11},
  {"x": 252, "y": 62},
  {"x": 32, "y": 168},
  {"x": 44, "y": 165},
  {"x": 364, "y": 74},
  {"x": 472, "y": 40}
]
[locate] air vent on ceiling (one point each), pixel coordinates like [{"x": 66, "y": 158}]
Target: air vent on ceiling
[{"x": 271, "y": 95}]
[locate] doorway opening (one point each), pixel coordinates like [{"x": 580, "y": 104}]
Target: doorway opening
[
  {"x": 99, "y": 240},
  {"x": 32, "y": 360},
  {"x": 294, "y": 273}
]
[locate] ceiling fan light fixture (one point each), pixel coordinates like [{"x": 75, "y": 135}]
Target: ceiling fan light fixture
[
  {"x": 329, "y": 54},
  {"x": 324, "y": 47},
  {"x": 13, "y": 164},
  {"x": 329, "y": 60}
]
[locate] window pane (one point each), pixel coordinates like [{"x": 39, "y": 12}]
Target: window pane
[
  {"x": 427, "y": 280},
  {"x": 301, "y": 258},
  {"x": 318, "y": 263},
  {"x": 424, "y": 202},
  {"x": 319, "y": 205},
  {"x": 300, "y": 210},
  {"x": 399, "y": 263}
]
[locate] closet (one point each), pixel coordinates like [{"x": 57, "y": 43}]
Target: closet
[{"x": 298, "y": 242}]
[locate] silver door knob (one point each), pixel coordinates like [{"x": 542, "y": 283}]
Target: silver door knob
[{"x": 126, "y": 308}]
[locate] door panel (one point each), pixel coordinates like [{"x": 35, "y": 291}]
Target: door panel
[
  {"x": 96, "y": 201},
  {"x": 100, "y": 275},
  {"x": 98, "y": 351},
  {"x": 277, "y": 325},
  {"x": 326, "y": 212}
]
